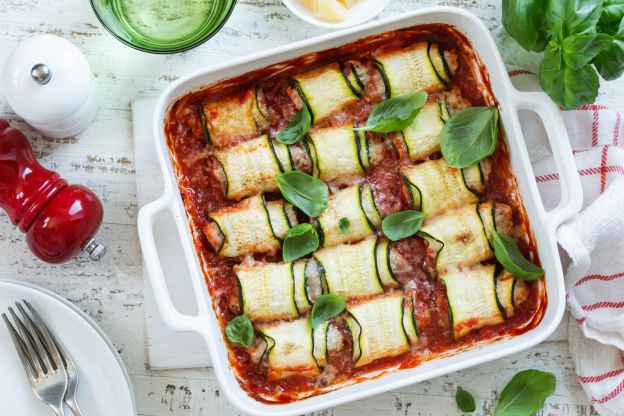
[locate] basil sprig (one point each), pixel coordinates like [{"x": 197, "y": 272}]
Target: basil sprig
[
  {"x": 395, "y": 114},
  {"x": 344, "y": 225},
  {"x": 297, "y": 128},
  {"x": 465, "y": 401},
  {"x": 308, "y": 194},
  {"x": 526, "y": 393},
  {"x": 239, "y": 330},
  {"x": 577, "y": 37},
  {"x": 326, "y": 307},
  {"x": 402, "y": 224},
  {"x": 508, "y": 254},
  {"x": 469, "y": 136},
  {"x": 300, "y": 241}
]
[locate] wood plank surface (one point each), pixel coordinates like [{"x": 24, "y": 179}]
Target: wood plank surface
[{"x": 102, "y": 158}]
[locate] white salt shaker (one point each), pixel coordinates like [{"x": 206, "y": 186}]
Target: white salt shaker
[{"x": 47, "y": 81}]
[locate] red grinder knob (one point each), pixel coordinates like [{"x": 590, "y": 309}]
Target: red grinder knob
[{"x": 59, "y": 220}]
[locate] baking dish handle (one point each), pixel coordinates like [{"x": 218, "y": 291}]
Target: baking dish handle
[
  {"x": 145, "y": 224},
  {"x": 571, "y": 191}
]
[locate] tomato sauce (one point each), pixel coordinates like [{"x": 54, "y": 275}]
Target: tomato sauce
[{"x": 202, "y": 193}]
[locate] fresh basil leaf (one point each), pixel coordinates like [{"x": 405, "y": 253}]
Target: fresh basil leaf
[
  {"x": 570, "y": 88},
  {"x": 326, "y": 307},
  {"x": 508, "y": 254},
  {"x": 308, "y": 194},
  {"x": 402, "y": 224},
  {"x": 610, "y": 62},
  {"x": 239, "y": 330},
  {"x": 579, "y": 17},
  {"x": 297, "y": 128},
  {"x": 344, "y": 225},
  {"x": 465, "y": 401},
  {"x": 525, "y": 21},
  {"x": 395, "y": 114},
  {"x": 469, "y": 136},
  {"x": 612, "y": 12},
  {"x": 526, "y": 393},
  {"x": 578, "y": 51},
  {"x": 300, "y": 241}
]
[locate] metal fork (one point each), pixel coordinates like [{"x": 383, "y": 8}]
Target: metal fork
[{"x": 39, "y": 356}]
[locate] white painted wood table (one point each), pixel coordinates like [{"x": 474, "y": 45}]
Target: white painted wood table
[{"x": 102, "y": 158}]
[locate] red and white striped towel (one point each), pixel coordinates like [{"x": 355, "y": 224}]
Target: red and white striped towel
[{"x": 594, "y": 241}]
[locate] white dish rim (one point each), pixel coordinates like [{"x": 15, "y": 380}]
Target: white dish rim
[{"x": 543, "y": 223}]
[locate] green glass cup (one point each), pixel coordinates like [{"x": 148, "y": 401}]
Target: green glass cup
[{"x": 163, "y": 26}]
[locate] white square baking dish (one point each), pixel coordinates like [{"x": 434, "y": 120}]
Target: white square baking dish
[{"x": 543, "y": 223}]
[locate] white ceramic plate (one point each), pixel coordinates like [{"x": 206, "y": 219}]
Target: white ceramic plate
[
  {"x": 358, "y": 13},
  {"x": 104, "y": 388}
]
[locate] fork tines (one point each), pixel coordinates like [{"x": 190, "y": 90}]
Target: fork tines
[{"x": 38, "y": 353}]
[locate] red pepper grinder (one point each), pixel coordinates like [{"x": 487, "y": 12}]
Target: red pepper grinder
[{"x": 59, "y": 219}]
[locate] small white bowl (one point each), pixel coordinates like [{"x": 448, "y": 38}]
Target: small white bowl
[{"x": 360, "y": 12}]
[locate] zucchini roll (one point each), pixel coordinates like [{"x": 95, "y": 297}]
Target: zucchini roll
[
  {"x": 380, "y": 329},
  {"x": 251, "y": 226},
  {"x": 423, "y": 66},
  {"x": 252, "y": 166},
  {"x": 460, "y": 237},
  {"x": 289, "y": 348},
  {"x": 436, "y": 187},
  {"x": 324, "y": 91},
  {"x": 511, "y": 292},
  {"x": 340, "y": 155},
  {"x": 350, "y": 270},
  {"x": 422, "y": 137},
  {"x": 272, "y": 291},
  {"x": 357, "y": 205},
  {"x": 472, "y": 299},
  {"x": 228, "y": 120}
]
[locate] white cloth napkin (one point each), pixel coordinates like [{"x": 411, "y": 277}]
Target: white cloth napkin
[{"x": 594, "y": 239}]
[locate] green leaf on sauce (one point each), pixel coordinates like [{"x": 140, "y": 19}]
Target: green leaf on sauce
[
  {"x": 508, "y": 254},
  {"x": 395, "y": 114},
  {"x": 326, "y": 307},
  {"x": 297, "y": 128},
  {"x": 307, "y": 193},
  {"x": 300, "y": 241},
  {"x": 344, "y": 225},
  {"x": 240, "y": 331},
  {"x": 469, "y": 136},
  {"x": 402, "y": 224}
]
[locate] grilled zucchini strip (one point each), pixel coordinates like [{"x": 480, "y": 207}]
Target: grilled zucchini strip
[
  {"x": 321, "y": 353},
  {"x": 436, "y": 187},
  {"x": 472, "y": 299},
  {"x": 458, "y": 237},
  {"x": 337, "y": 154},
  {"x": 268, "y": 291},
  {"x": 409, "y": 320},
  {"x": 324, "y": 91},
  {"x": 376, "y": 328},
  {"x": 290, "y": 349},
  {"x": 496, "y": 216},
  {"x": 345, "y": 203},
  {"x": 422, "y": 137},
  {"x": 230, "y": 119},
  {"x": 505, "y": 284},
  {"x": 350, "y": 270},
  {"x": 250, "y": 226},
  {"x": 251, "y": 167},
  {"x": 383, "y": 254},
  {"x": 410, "y": 70},
  {"x": 302, "y": 299}
]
